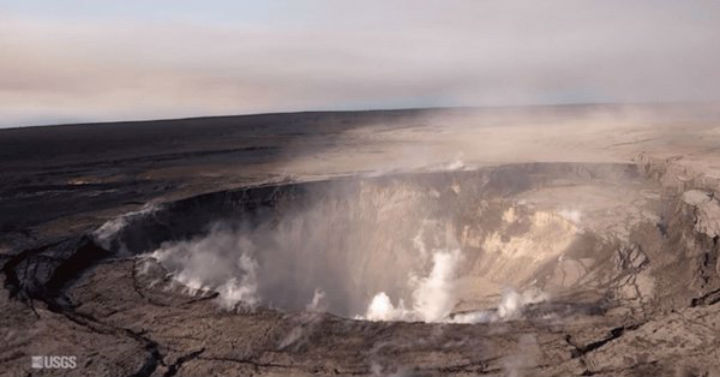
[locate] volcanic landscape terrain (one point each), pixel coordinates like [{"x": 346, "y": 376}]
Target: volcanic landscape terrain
[{"x": 548, "y": 241}]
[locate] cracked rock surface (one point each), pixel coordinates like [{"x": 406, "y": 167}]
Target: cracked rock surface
[{"x": 619, "y": 234}]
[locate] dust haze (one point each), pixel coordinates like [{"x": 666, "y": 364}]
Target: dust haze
[{"x": 330, "y": 55}]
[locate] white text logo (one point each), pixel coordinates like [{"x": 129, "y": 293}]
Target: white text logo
[{"x": 54, "y": 362}]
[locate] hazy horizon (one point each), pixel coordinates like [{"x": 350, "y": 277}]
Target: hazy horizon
[{"x": 82, "y": 61}]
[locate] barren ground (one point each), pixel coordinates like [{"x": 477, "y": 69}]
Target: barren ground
[{"x": 610, "y": 212}]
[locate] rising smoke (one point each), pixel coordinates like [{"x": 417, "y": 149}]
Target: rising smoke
[
  {"x": 225, "y": 262},
  {"x": 378, "y": 253},
  {"x": 106, "y": 233},
  {"x": 222, "y": 262},
  {"x": 432, "y": 295}
]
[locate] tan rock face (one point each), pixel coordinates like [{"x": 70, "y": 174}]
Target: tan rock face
[{"x": 707, "y": 211}]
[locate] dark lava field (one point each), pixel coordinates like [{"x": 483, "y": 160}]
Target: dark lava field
[{"x": 546, "y": 241}]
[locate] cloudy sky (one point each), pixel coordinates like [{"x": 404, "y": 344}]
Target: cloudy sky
[{"x": 95, "y": 60}]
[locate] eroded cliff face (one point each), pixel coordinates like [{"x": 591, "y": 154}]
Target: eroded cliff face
[
  {"x": 544, "y": 269},
  {"x": 685, "y": 253}
]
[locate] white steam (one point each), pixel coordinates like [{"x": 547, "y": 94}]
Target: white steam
[
  {"x": 328, "y": 258},
  {"x": 433, "y": 297},
  {"x": 510, "y": 307},
  {"x": 105, "y": 234},
  {"x": 571, "y": 215},
  {"x": 213, "y": 264},
  {"x": 457, "y": 163},
  {"x": 527, "y": 355},
  {"x": 225, "y": 262},
  {"x": 244, "y": 291},
  {"x": 382, "y": 309},
  {"x": 512, "y": 302},
  {"x": 318, "y": 303}
]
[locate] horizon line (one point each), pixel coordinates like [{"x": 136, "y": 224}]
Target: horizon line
[{"x": 363, "y": 110}]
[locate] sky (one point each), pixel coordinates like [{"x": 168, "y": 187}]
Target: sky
[{"x": 95, "y": 60}]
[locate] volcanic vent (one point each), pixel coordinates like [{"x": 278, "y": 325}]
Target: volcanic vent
[{"x": 457, "y": 246}]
